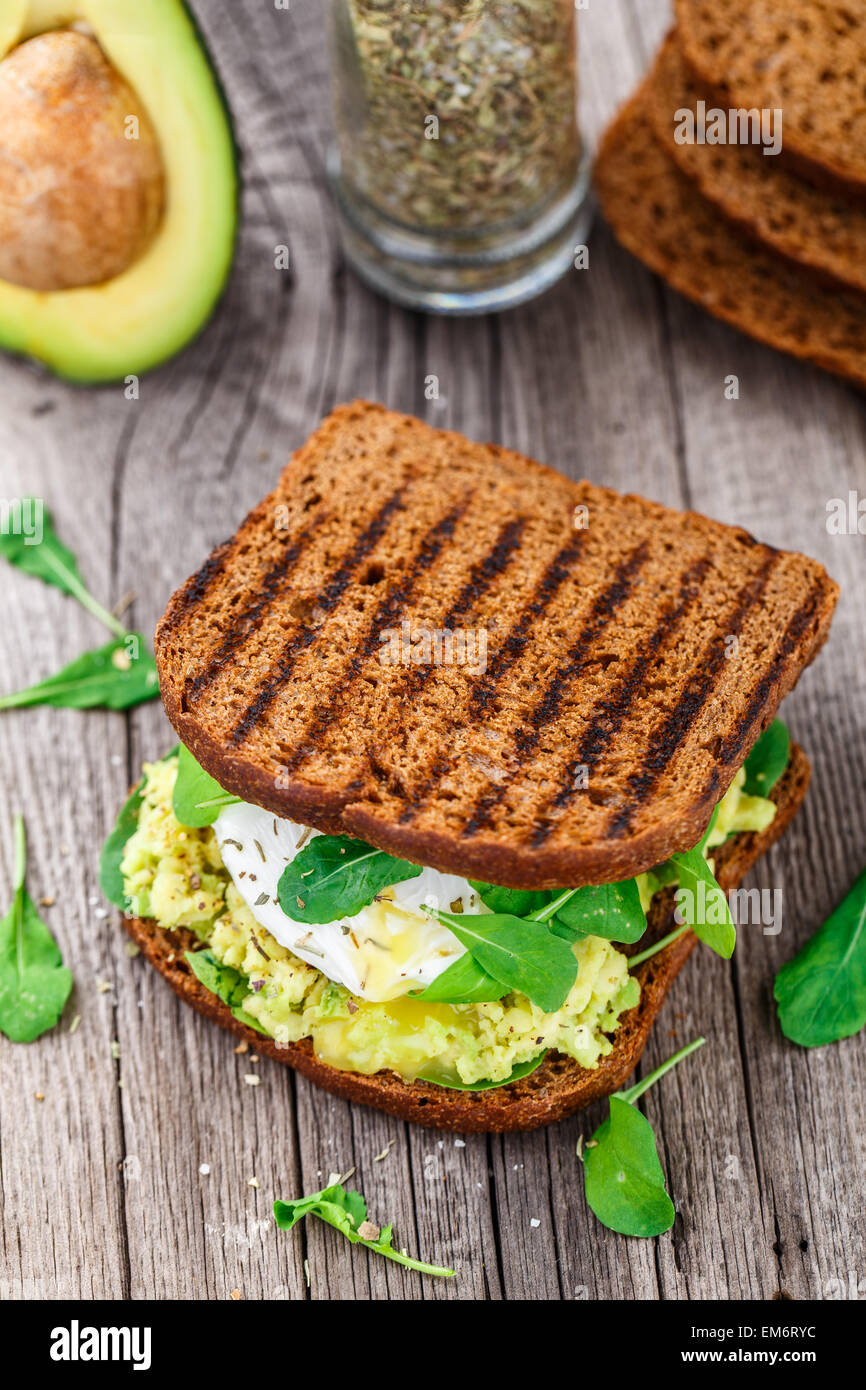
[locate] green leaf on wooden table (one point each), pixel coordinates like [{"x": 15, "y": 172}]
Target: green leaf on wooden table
[
  {"x": 464, "y": 982},
  {"x": 335, "y": 876},
  {"x": 702, "y": 904},
  {"x": 821, "y": 993},
  {"x": 37, "y": 550},
  {"x": 516, "y": 902},
  {"x": 521, "y": 1070},
  {"x": 346, "y": 1211},
  {"x": 111, "y": 857},
  {"x": 523, "y": 955},
  {"x": 116, "y": 676},
  {"x": 612, "y": 910},
  {"x": 197, "y": 798},
  {"x": 624, "y": 1181},
  {"x": 34, "y": 982},
  {"x": 767, "y": 760},
  {"x": 623, "y": 1178},
  {"x": 226, "y": 983}
]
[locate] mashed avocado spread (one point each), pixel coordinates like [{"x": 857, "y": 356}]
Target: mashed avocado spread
[{"x": 175, "y": 875}]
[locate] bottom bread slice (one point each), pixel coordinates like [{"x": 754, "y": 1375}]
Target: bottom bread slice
[
  {"x": 660, "y": 215},
  {"x": 560, "y": 1085}
]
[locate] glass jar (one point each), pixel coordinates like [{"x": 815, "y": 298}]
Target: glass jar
[{"x": 458, "y": 167}]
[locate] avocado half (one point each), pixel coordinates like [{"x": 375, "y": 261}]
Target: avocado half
[{"x": 149, "y": 312}]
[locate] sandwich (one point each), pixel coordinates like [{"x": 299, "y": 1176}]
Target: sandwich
[{"x": 470, "y": 757}]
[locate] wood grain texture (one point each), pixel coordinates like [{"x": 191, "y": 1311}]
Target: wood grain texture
[{"x": 608, "y": 376}]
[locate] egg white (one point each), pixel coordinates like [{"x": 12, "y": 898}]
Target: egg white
[{"x": 385, "y": 950}]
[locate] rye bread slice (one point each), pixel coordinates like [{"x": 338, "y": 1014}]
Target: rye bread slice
[
  {"x": 812, "y": 226},
  {"x": 805, "y": 57},
  {"x": 659, "y": 214},
  {"x": 609, "y": 719},
  {"x": 559, "y": 1086}
]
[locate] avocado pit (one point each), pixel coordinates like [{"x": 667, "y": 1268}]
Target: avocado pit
[{"x": 82, "y": 184}]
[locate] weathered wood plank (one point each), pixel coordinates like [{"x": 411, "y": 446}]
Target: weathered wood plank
[
  {"x": 60, "y": 1154},
  {"x": 803, "y": 1106}
]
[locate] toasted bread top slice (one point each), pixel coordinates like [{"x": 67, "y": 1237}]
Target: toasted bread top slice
[
  {"x": 633, "y": 655},
  {"x": 804, "y": 57}
]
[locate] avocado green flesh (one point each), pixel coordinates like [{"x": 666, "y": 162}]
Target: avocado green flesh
[
  {"x": 137, "y": 320},
  {"x": 175, "y": 876}
]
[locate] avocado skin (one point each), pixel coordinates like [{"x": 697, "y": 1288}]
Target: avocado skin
[{"x": 77, "y": 365}]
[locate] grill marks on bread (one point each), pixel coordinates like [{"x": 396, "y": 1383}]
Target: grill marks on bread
[
  {"x": 605, "y": 648},
  {"x": 483, "y": 575},
  {"x": 580, "y": 653},
  {"x": 388, "y": 613},
  {"x": 669, "y": 736},
  {"x": 251, "y": 615},
  {"x": 611, "y": 711},
  {"x": 305, "y": 636},
  {"x": 555, "y": 575},
  {"x": 805, "y": 618},
  {"x": 483, "y": 694}
]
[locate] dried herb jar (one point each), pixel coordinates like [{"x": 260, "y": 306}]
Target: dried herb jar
[{"x": 458, "y": 168}]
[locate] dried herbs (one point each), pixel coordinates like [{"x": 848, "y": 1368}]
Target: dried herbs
[{"x": 457, "y": 115}]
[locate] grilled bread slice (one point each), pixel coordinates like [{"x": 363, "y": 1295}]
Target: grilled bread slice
[
  {"x": 634, "y": 654},
  {"x": 659, "y": 214},
  {"x": 812, "y": 226},
  {"x": 559, "y": 1086},
  {"x": 805, "y": 57}
]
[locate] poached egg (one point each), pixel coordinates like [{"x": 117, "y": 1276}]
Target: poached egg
[{"x": 388, "y": 948}]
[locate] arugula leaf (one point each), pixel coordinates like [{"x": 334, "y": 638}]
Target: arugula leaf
[
  {"x": 768, "y": 759},
  {"x": 197, "y": 798},
  {"x": 612, "y": 911},
  {"x": 623, "y": 1178},
  {"x": 110, "y": 877},
  {"x": 522, "y": 1069},
  {"x": 708, "y": 915},
  {"x": 335, "y": 876},
  {"x": 226, "y": 983},
  {"x": 54, "y": 563},
  {"x": 34, "y": 982},
  {"x": 464, "y": 982},
  {"x": 116, "y": 676},
  {"x": 346, "y": 1211},
  {"x": 516, "y": 902},
  {"x": 821, "y": 993},
  {"x": 522, "y": 955}
]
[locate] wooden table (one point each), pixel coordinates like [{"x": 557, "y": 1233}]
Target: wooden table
[{"x": 609, "y": 376}]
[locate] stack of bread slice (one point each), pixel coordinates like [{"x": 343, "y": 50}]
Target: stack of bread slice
[{"x": 774, "y": 244}]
